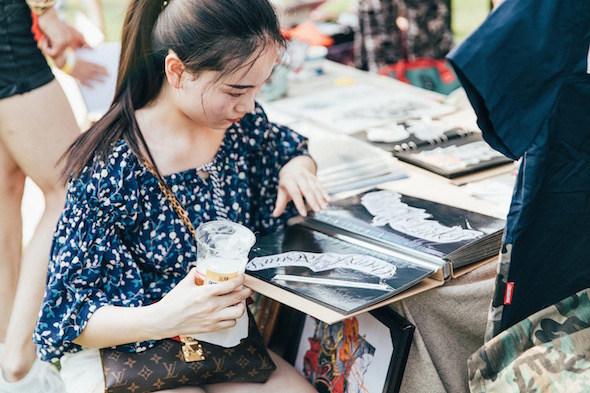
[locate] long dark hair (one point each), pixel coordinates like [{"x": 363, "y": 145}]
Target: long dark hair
[{"x": 216, "y": 35}]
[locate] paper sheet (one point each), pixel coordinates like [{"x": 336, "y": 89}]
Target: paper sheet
[{"x": 99, "y": 96}]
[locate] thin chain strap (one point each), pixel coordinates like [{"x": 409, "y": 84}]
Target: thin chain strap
[
  {"x": 172, "y": 199},
  {"x": 191, "y": 348}
]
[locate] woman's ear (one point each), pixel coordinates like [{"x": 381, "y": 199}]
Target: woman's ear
[{"x": 174, "y": 69}]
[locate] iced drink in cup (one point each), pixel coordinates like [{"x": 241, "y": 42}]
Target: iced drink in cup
[
  {"x": 222, "y": 253},
  {"x": 222, "y": 250}
]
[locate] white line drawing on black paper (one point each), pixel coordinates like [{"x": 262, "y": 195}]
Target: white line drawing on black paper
[{"x": 388, "y": 209}]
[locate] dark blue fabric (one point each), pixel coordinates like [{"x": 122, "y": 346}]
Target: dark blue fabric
[{"x": 525, "y": 73}]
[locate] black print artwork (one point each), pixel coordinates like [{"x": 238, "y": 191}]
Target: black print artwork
[
  {"x": 339, "y": 275},
  {"x": 367, "y": 248},
  {"x": 414, "y": 225}
]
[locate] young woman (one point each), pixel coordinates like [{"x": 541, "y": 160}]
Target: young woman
[{"x": 122, "y": 263}]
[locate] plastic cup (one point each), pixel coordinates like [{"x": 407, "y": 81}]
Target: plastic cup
[{"x": 222, "y": 251}]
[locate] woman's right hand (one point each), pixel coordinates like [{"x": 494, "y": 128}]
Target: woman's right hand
[
  {"x": 56, "y": 34},
  {"x": 191, "y": 309}
]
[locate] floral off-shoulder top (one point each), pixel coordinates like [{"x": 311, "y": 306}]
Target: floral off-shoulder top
[{"x": 119, "y": 242}]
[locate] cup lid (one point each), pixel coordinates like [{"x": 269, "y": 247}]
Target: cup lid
[{"x": 225, "y": 237}]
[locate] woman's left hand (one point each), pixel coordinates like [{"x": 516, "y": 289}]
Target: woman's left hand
[
  {"x": 89, "y": 73},
  {"x": 299, "y": 183}
]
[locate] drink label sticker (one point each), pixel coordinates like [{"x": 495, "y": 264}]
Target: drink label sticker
[{"x": 215, "y": 278}]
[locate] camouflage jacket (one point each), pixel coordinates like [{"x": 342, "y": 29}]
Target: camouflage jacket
[{"x": 546, "y": 352}]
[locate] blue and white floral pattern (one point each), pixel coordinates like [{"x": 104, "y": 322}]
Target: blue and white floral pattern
[{"x": 118, "y": 241}]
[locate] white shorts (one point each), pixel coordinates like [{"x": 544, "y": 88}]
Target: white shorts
[{"x": 82, "y": 371}]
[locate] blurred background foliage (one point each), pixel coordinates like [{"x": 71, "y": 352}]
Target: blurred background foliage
[{"x": 466, "y": 15}]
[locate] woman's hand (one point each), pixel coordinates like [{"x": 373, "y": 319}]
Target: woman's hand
[
  {"x": 190, "y": 308},
  {"x": 57, "y": 36},
  {"x": 186, "y": 309},
  {"x": 299, "y": 183},
  {"x": 89, "y": 73},
  {"x": 85, "y": 72},
  {"x": 77, "y": 40}
]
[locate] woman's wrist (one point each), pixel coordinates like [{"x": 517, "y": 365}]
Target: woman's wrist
[
  {"x": 304, "y": 160},
  {"x": 154, "y": 323},
  {"x": 49, "y": 16},
  {"x": 40, "y": 7},
  {"x": 116, "y": 325},
  {"x": 70, "y": 61}
]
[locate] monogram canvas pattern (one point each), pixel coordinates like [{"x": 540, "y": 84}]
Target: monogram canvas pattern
[{"x": 163, "y": 366}]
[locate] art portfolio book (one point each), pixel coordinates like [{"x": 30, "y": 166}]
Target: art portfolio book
[{"x": 365, "y": 250}]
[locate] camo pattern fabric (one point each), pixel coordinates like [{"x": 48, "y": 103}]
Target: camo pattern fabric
[{"x": 547, "y": 352}]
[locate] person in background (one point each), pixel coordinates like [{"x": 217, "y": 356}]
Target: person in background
[
  {"x": 36, "y": 126},
  {"x": 394, "y": 30},
  {"x": 185, "y": 105}
]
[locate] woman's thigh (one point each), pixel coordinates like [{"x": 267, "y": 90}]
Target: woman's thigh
[
  {"x": 285, "y": 379},
  {"x": 82, "y": 371},
  {"x": 36, "y": 128}
]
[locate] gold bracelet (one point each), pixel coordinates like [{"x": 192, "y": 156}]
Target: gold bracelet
[
  {"x": 68, "y": 67},
  {"x": 39, "y": 7}
]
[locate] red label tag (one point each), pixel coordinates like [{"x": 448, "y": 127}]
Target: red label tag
[{"x": 508, "y": 293}]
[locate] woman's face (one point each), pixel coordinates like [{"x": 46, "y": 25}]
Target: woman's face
[{"x": 218, "y": 102}]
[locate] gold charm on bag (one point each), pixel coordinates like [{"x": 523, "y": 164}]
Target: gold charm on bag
[{"x": 192, "y": 350}]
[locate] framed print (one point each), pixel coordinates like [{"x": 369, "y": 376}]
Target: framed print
[{"x": 364, "y": 353}]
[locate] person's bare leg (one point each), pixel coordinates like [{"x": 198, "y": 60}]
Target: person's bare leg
[
  {"x": 11, "y": 193},
  {"x": 187, "y": 389},
  {"x": 36, "y": 127},
  {"x": 284, "y": 379}
]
